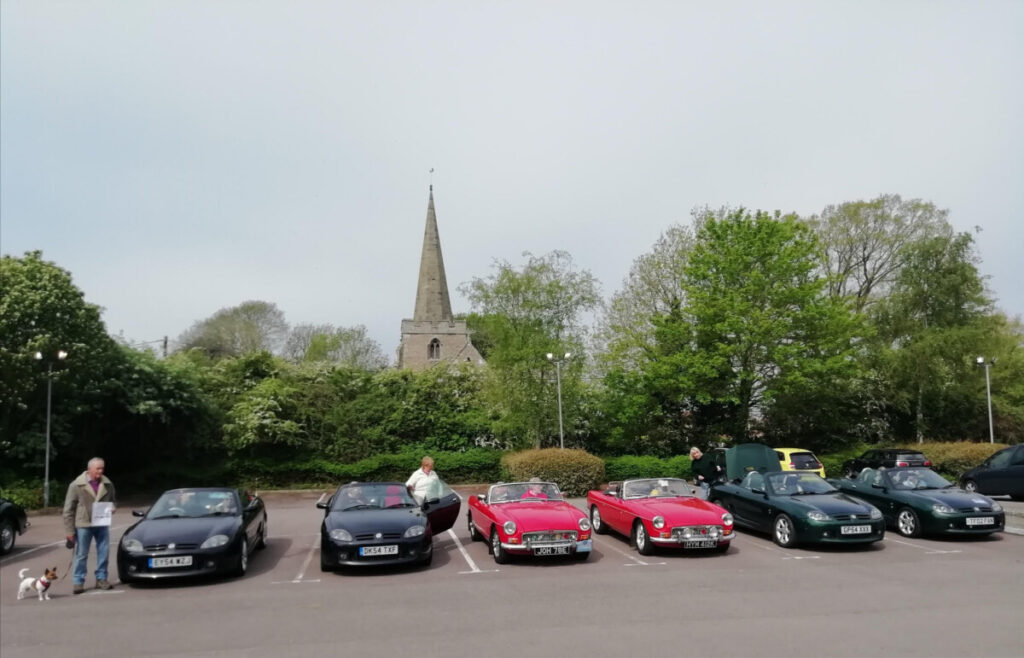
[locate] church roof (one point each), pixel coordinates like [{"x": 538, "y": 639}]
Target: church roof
[{"x": 432, "y": 301}]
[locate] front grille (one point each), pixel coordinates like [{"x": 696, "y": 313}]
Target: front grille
[
  {"x": 386, "y": 536},
  {"x": 165, "y": 547},
  {"x": 697, "y": 531},
  {"x": 851, "y": 517},
  {"x": 969, "y": 510},
  {"x": 547, "y": 537}
]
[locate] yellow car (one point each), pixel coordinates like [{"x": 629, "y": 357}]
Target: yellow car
[{"x": 797, "y": 459}]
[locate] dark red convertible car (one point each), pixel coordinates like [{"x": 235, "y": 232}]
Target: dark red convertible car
[
  {"x": 528, "y": 518},
  {"x": 660, "y": 512}
]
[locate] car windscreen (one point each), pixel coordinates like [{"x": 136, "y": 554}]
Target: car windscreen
[
  {"x": 804, "y": 460},
  {"x": 797, "y": 484},
  {"x": 194, "y": 503},
  {"x": 917, "y": 478},
  {"x": 372, "y": 496},
  {"x": 655, "y": 488},
  {"x": 524, "y": 491}
]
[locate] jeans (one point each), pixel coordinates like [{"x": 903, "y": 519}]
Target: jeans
[
  {"x": 704, "y": 489},
  {"x": 83, "y": 536}
]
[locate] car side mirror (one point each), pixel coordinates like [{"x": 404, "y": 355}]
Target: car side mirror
[
  {"x": 323, "y": 505},
  {"x": 138, "y": 512},
  {"x": 482, "y": 498}
]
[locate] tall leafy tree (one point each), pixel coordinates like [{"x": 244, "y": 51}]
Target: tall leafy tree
[
  {"x": 346, "y": 346},
  {"x": 523, "y": 314},
  {"x": 755, "y": 325},
  {"x": 251, "y": 326}
]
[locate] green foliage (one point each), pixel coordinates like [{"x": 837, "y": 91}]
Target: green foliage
[
  {"x": 574, "y": 471},
  {"x": 346, "y": 346},
  {"x": 629, "y": 467},
  {"x": 252, "y": 326},
  {"x": 952, "y": 458},
  {"x": 28, "y": 494}
]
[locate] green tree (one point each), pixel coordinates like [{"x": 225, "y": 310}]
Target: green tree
[
  {"x": 755, "y": 325},
  {"x": 522, "y": 315},
  {"x": 346, "y": 346}
]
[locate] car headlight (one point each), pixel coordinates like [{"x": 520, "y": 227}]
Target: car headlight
[
  {"x": 658, "y": 522},
  {"x": 584, "y": 524},
  {"x": 996, "y": 507},
  {"x": 340, "y": 534},
  {"x": 727, "y": 519},
  {"x": 876, "y": 513},
  {"x": 816, "y": 515},
  {"x": 131, "y": 545},
  {"x": 415, "y": 531},
  {"x": 215, "y": 541},
  {"x": 943, "y": 509},
  {"x": 509, "y": 527}
]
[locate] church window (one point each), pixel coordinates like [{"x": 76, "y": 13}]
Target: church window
[{"x": 434, "y": 350}]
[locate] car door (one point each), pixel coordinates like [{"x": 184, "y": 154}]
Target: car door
[
  {"x": 442, "y": 509},
  {"x": 1015, "y": 475},
  {"x": 250, "y": 515},
  {"x": 749, "y": 503}
]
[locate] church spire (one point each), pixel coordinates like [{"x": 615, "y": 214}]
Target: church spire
[{"x": 432, "y": 301}]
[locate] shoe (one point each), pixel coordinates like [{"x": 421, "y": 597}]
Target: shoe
[
  {"x": 78, "y": 589},
  {"x": 103, "y": 584}
]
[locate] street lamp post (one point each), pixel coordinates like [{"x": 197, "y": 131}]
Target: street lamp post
[
  {"x": 558, "y": 379},
  {"x": 987, "y": 363},
  {"x": 60, "y": 355}
]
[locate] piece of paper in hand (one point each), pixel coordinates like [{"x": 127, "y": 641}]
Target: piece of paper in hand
[{"x": 102, "y": 513}]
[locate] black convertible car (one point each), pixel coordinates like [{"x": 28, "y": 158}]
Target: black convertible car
[
  {"x": 13, "y": 522},
  {"x": 193, "y": 532},
  {"x": 369, "y": 523}
]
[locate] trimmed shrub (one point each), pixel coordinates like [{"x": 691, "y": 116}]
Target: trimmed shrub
[
  {"x": 30, "y": 494},
  {"x": 951, "y": 459},
  {"x": 574, "y": 471}
]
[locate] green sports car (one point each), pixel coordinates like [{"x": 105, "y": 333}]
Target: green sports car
[
  {"x": 794, "y": 507},
  {"x": 917, "y": 500}
]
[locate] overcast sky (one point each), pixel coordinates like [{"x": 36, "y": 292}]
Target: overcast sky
[{"x": 182, "y": 157}]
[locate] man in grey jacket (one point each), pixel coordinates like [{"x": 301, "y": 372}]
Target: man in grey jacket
[{"x": 88, "y": 488}]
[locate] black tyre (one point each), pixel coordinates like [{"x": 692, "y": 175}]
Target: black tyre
[
  {"x": 8, "y": 535},
  {"x": 641, "y": 539},
  {"x": 261, "y": 536},
  {"x": 243, "y": 558},
  {"x": 581, "y": 556},
  {"x": 783, "y": 531},
  {"x": 596, "y": 522},
  {"x": 907, "y": 523},
  {"x": 474, "y": 535},
  {"x": 500, "y": 556}
]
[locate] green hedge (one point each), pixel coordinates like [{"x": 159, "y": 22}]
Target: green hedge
[
  {"x": 629, "y": 467},
  {"x": 574, "y": 471},
  {"x": 29, "y": 494},
  {"x": 953, "y": 458}
]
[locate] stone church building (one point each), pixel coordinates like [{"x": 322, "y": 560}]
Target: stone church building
[{"x": 433, "y": 335}]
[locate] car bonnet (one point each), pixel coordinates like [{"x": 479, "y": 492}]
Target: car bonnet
[
  {"x": 550, "y": 515},
  {"x": 183, "y": 530}
]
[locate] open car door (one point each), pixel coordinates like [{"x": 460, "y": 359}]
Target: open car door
[
  {"x": 747, "y": 457},
  {"x": 442, "y": 507}
]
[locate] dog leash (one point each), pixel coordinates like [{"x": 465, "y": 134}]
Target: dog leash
[{"x": 70, "y": 562}]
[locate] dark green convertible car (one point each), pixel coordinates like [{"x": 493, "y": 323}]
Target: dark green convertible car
[
  {"x": 794, "y": 507},
  {"x": 918, "y": 500}
]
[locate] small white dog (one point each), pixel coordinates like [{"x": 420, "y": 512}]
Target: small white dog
[{"x": 39, "y": 585}]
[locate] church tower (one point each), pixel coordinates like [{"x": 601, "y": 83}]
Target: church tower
[{"x": 433, "y": 336}]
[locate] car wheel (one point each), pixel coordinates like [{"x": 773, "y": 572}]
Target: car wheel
[
  {"x": 595, "y": 521},
  {"x": 907, "y": 523},
  {"x": 474, "y": 534},
  {"x": 7, "y": 537},
  {"x": 971, "y": 485},
  {"x": 325, "y": 566},
  {"x": 722, "y": 548},
  {"x": 581, "y": 556},
  {"x": 643, "y": 542},
  {"x": 425, "y": 562},
  {"x": 261, "y": 540},
  {"x": 500, "y": 556},
  {"x": 243, "y": 558},
  {"x": 783, "y": 531}
]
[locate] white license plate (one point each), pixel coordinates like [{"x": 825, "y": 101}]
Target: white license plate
[
  {"x": 551, "y": 550},
  {"x": 378, "y": 550},
  {"x": 855, "y": 529},
  {"x": 701, "y": 543},
  {"x": 163, "y": 562},
  {"x": 981, "y": 520}
]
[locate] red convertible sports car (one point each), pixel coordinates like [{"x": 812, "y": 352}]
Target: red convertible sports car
[
  {"x": 528, "y": 518},
  {"x": 660, "y": 512}
]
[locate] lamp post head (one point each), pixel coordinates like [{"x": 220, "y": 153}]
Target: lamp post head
[
  {"x": 551, "y": 356},
  {"x": 61, "y": 354},
  {"x": 981, "y": 360},
  {"x": 568, "y": 354}
]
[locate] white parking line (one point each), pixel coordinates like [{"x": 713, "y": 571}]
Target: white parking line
[
  {"x": 465, "y": 555},
  {"x": 309, "y": 558},
  {"x": 50, "y": 545},
  {"x": 637, "y": 562},
  {"x": 922, "y": 548}
]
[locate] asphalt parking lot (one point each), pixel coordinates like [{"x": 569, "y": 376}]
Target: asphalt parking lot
[{"x": 902, "y": 597}]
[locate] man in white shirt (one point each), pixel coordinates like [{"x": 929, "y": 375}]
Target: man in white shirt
[{"x": 423, "y": 481}]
